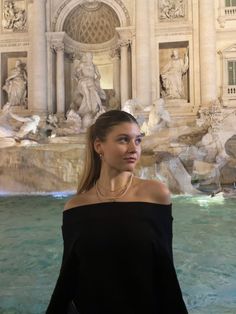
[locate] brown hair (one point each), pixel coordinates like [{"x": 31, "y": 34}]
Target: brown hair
[{"x": 92, "y": 163}]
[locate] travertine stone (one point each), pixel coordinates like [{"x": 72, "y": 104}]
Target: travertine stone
[
  {"x": 39, "y": 56},
  {"x": 124, "y": 71},
  {"x": 143, "y": 67},
  {"x": 59, "y": 48},
  {"x": 207, "y": 51}
]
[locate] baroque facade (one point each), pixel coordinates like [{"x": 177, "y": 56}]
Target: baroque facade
[{"x": 136, "y": 46}]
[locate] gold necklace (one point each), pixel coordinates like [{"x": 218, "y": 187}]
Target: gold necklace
[
  {"x": 121, "y": 188},
  {"x": 114, "y": 197}
]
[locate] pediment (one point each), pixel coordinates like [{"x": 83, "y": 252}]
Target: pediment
[{"x": 231, "y": 48}]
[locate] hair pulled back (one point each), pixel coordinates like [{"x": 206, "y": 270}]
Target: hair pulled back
[{"x": 100, "y": 129}]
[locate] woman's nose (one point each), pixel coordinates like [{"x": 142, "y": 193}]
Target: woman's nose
[{"x": 132, "y": 146}]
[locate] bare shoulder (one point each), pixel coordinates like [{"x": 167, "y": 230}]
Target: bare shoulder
[
  {"x": 155, "y": 191},
  {"x": 77, "y": 200},
  {"x": 73, "y": 202}
]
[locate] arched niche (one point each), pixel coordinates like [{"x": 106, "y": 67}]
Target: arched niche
[
  {"x": 66, "y": 25},
  {"x": 69, "y": 5}
]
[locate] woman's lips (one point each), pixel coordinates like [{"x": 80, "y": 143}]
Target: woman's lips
[{"x": 130, "y": 159}]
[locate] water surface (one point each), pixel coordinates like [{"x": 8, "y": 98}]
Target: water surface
[{"x": 31, "y": 250}]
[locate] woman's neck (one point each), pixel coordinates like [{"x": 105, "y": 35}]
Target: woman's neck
[{"x": 113, "y": 180}]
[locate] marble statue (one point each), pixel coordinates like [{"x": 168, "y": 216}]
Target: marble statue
[
  {"x": 132, "y": 106},
  {"x": 71, "y": 126},
  {"x": 74, "y": 120},
  {"x": 13, "y": 18},
  {"x": 158, "y": 118},
  {"x": 16, "y": 85},
  {"x": 172, "y": 76},
  {"x": 6, "y": 130},
  {"x": 52, "y": 120},
  {"x": 30, "y": 124},
  {"x": 171, "y": 9},
  {"x": 88, "y": 78},
  {"x": 114, "y": 102}
]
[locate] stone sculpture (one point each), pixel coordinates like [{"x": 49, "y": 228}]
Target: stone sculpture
[
  {"x": 220, "y": 126},
  {"x": 172, "y": 76},
  {"x": 6, "y": 130},
  {"x": 16, "y": 85},
  {"x": 74, "y": 120},
  {"x": 52, "y": 120},
  {"x": 30, "y": 124},
  {"x": 114, "y": 102},
  {"x": 132, "y": 106},
  {"x": 171, "y": 9},
  {"x": 158, "y": 118},
  {"x": 13, "y": 18},
  {"x": 88, "y": 78}
]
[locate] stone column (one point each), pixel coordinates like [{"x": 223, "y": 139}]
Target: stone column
[
  {"x": 124, "y": 75},
  {"x": 50, "y": 70},
  {"x": 143, "y": 57},
  {"x": 39, "y": 57},
  {"x": 116, "y": 72},
  {"x": 59, "y": 48},
  {"x": 1, "y": 83},
  {"x": 207, "y": 51}
]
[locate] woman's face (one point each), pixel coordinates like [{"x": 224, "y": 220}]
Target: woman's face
[{"x": 122, "y": 148}]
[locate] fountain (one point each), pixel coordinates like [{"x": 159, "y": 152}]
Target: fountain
[{"x": 190, "y": 159}]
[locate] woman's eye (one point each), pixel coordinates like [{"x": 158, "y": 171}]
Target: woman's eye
[
  {"x": 138, "y": 141},
  {"x": 123, "y": 139}
]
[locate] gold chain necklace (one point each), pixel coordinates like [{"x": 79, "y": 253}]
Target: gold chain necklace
[{"x": 114, "y": 197}]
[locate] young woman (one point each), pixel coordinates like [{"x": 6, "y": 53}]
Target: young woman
[{"x": 117, "y": 232}]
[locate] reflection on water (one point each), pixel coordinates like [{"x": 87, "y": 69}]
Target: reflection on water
[{"x": 31, "y": 248}]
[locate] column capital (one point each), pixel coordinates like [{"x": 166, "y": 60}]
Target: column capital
[
  {"x": 59, "y": 46},
  {"x": 40, "y": 2},
  {"x": 115, "y": 53},
  {"x": 124, "y": 43},
  {"x": 125, "y": 33},
  {"x": 56, "y": 40}
]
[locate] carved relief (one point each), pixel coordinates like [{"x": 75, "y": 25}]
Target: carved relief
[
  {"x": 14, "y": 16},
  {"x": 171, "y": 9}
]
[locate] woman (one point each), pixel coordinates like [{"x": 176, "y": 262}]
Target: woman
[{"x": 117, "y": 232}]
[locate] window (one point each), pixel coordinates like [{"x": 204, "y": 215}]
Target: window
[
  {"x": 228, "y": 79},
  {"x": 230, "y": 3},
  {"x": 231, "y": 72}
]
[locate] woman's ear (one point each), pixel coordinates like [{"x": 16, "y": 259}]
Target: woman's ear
[{"x": 98, "y": 146}]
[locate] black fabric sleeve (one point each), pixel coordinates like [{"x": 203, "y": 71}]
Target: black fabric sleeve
[{"x": 65, "y": 288}]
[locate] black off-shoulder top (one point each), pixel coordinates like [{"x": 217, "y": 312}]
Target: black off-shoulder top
[{"x": 118, "y": 260}]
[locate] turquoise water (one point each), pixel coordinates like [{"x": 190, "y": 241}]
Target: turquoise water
[{"x": 204, "y": 252}]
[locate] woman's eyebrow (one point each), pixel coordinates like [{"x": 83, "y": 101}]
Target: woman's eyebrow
[{"x": 125, "y": 134}]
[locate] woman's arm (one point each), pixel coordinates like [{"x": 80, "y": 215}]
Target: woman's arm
[{"x": 65, "y": 288}]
